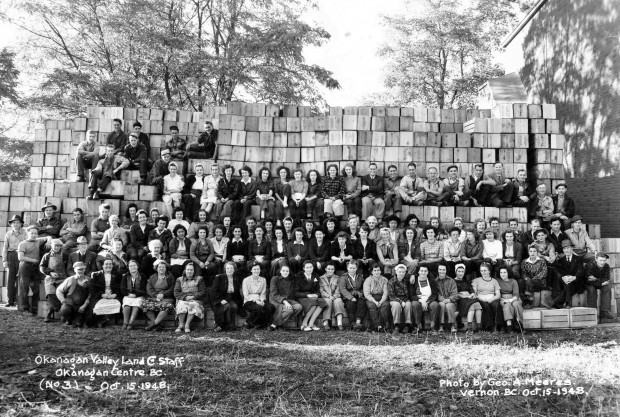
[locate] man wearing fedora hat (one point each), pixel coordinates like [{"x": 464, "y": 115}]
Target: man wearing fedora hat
[
  {"x": 9, "y": 256},
  {"x": 564, "y": 206},
  {"x": 52, "y": 266},
  {"x": 582, "y": 243},
  {"x": 83, "y": 255},
  {"x": 598, "y": 277},
  {"x": 29, "y": 253},
  {"x": 571, "y": 277},
  {"x": 49, "y": 226}
]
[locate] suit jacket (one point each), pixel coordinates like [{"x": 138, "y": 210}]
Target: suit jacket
[
  {"x": 569, "y": 205},
  {"x": 137, "y": 238},
  {"x": 574, "y": 267},
  {"x": 90, "y": 260},
  {"x": 518, "y": 251},
  {"x": 97, "y": 288},
  {"x": 219, "y": 289},
  {"x": 376, "y": 186}
]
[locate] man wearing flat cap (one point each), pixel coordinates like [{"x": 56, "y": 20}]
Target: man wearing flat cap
[
  {"x": 52, "y": 266},
  {"x": 563, "y": 205},
  {"x": 598, "y": 277},
  {"x": 74, "y": 296},
  {"x": 583, "y": 245},
  {"x": 159, "y": 171},
  {"x": 571, "y": 277},
  {"x": 29, "y": 253},
  {"x": 49, "y": 226},
  {"x": 83, "y": 255},
  {"x": 10, "y": 262}
]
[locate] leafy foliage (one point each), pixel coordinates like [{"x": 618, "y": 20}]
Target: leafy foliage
[
  {"x": 441, "y": 51},
  {"x": 8, "y": 78},
  {"x": 171, "y": 53}
]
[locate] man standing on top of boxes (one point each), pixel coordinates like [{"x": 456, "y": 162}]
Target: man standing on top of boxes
[
  {"x": 205, "y": 146},
  {"x": 87, "y": 155}
]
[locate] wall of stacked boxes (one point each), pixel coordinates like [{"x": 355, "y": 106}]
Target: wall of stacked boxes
[{"x": 521, "y": 136}]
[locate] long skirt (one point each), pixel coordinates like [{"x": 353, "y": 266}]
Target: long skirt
[{"x": 190, "y": 307}]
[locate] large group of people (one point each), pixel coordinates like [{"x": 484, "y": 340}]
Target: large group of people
[{"x": 295, "y": 260}]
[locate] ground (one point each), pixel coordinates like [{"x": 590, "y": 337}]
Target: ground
[{"x": 292, "y": 373}]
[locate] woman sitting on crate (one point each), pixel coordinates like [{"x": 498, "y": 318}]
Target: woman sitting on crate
[
  {"x": 225, "y": 297},
  {"x": 112, "y": 233},
  {"x": 487, "y": 292},
  {"x": 117, "y": 256},
  {"x": 105, "y": 294},
  {"x": 333, "y": 192},
  {"x": 201, "y": 252},
  {"x": 329, "y": 284},
  {"x": 139, "y": 237},
  {"x": 160, "y": 290},
  {"x": 534, "y": 275},
  {"x": 510, "y": 302},
  {"x": 254, "y": 289},
  {"x": 282, "y": 193},
  {"x": 189, "y": 291},
  {"x": 246, "y": 198},
  {"x": 353, "y": 190},
  {"x": 179, "y": 250},
  {"x": 265, "y": 194},
  {"x": 131, "y": 216},
  {"x": 133, "y": 289},
  {"x": 468, "y": 305},
  {"x": 259, "y": 251},
  {"x": 297, "y": 202},
  {"x": 147, "y": 266},
  {"x": 314, "y": 202},
  {"x": 308, "y": 294}
]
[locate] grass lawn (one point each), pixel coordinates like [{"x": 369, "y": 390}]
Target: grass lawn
[{"x": 251, "y": 373}]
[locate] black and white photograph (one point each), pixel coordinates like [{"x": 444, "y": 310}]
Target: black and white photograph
[{"x": 309, "y": 208}]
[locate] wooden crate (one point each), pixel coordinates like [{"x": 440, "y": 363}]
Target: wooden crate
[
  {"x": 532, "y": 319},
  {"x": 148, "y": 193},
  {"x": 583, "y": 317},
  {"x": 555, "y": 319}
]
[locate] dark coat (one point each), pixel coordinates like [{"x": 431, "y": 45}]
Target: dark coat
[
  {"x": 360, "y": 253},
  {"x": 574, "y": 267},
  {"x": 518, "y": 251},
  {"x": 318, "y": 253},
  {"x": 137, "y": 238},
  {"x": 219, "y": 289},
  {"x": 97, "y": 288},
  {"x": 569, "y": 205},
  {"x": 139, "y": 289},
  {"x": 90, "y": 259}
]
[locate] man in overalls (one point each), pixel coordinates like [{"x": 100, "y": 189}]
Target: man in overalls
[
  {"x": 53, "y": 267},
  {"x": 74, "y": 295}
]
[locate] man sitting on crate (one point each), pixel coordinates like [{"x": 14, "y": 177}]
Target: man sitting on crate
[
  {"x": 105, "y": 172},
  {"x": 143, "y": 138},
  {"x": 411, "y": 188},
  {"x": 563, "y": 205},
  {"x": 176, "y": 145},
  {"x": 49, "y": 226},
  {"x": 598, "y": 278},
  {"x": 502, "y": 190},
  {"x": 117, "y": 138},
  {"x": 87, "y": 155},
  {"x": 571, "y": 277},
  {"x": 522, "y": 194},
  {"x": 159, "y": 171},
  {"x": 478, "y": 187},
  {"x": 136, "y": 155},
  {"x": 582, "y": 243},
  {"x": 205, "y": 146}
]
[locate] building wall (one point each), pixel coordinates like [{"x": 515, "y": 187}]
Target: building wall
[{"x": 569, "y": 54}]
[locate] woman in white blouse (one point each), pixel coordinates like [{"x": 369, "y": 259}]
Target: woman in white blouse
[
  {"x": 113, "y": 232},
  {"x": 492, "y": 250},
  {"x": 254, "y": 290},
  {"x": 209, "y": 192}
]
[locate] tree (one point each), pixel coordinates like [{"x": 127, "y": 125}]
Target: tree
[
  {"x": 8, "y": 78},
  {"x": 440, "y": 55},
  {"x": 171, "y": 53}
]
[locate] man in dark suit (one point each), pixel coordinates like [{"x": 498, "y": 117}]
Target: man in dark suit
[
  {"x": 89, "y": 258},
  {"x": 571, "y": 276},
  {"x": 226, "y": 302},
  {"x": 372, "y": 194},
  {"x": 556, "y": 235}
]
